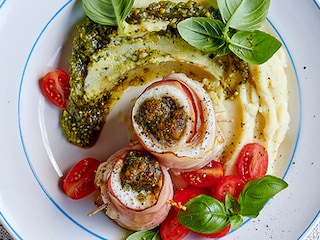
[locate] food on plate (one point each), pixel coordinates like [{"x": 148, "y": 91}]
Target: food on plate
[
  {"x": 134, "y": 189},
  {"x": 170, "y": 228},
  {"x": 152, "y": 48},
  {"x": 175, "y": 121},
  {"x": 205, "y": 112},
  {"x": 230, "y": 184},
  {"x": 182, "y": 196},
  {"x": 79, "y": 182},
  {"x": 250, "y": 101},
  {"x": 205, "y": 214},
  {"x": 55, "y": 87},
  {"x": 220, "y": 234},
  {"x": 206, "y": 176},
  {"x": 252, "y": 161}
]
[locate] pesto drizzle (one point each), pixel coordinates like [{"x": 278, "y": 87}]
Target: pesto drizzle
[{"x": 83, "y": 119}]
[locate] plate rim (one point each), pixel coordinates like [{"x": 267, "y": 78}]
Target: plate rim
[{"x": 2, "y": 217}]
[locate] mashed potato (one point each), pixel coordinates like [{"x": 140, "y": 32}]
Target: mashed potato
[{"x": 258, "y": 114}]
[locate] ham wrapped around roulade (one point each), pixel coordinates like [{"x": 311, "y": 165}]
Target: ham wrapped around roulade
[
  {"x": 134, "y": 189},
  {"x": 174, "y": 120}
]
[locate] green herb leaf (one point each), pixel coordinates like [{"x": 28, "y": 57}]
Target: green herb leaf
[
  {"x": 204, "y": 214},
  {"x": 224, "y": 50},
  {"x": 108, "y": 12},
  {"x": 256, "y": 193},
  {"x": 233, "y": 209},
  {"x": 203, "y": 33},
  {"x": 152, "y": 234},
  {"x": 231, "y": 205},
  {"x": 244, "y": 15},
  {"x": 254, "y": 47},
  {"x": 236, "y": 221}
]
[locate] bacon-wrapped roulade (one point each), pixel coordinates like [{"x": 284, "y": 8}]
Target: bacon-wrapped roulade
[
  {"x": 174, "y": 120},
  {"x": 134, "y": 189}
]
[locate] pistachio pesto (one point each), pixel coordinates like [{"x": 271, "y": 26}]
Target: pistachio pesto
[
  {"x": 163, "y": 118},
  {"x": 147, "y": 44},
  {"x": 141, "y": 172}
]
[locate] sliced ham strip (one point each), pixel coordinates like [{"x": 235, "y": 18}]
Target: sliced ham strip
[{"x": 128, "y": 195}]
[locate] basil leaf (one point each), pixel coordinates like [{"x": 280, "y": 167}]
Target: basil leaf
[
  {"x": 236, "y": 221},
  {"x": 152, "y": 234},
  {"x": 256, "y": 193},
  {"x": 204, "y": 214},
  {"x": 254, "y": 47},
  {"x": 231, "y": 205},
  {"x": 244, "y": 14},
  {"x": 224, "y": 50},
  {"x": 202, "y": 33},
  {"x": 108, "y": 12}
]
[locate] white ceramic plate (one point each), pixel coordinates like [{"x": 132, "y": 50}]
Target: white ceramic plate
[{"x": 35, "y": 37}]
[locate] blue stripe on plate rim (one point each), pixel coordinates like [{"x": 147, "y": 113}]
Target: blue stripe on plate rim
[
  {"x": 2, "y": 3},
  {"x": 9, "y": 226},
  {"x": 26, "y": 152},
  {"x": 314, "y": 221},
  {"x": 317, "y": 2},
  {"x": 20, "y": 129}
]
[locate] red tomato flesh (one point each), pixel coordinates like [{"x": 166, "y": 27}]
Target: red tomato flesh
[
  {"x": 184, "y": 195},
  {"x": 232, "y": 185},
  {"x": 206, "y": 176},
  {"x": 171, "y": 229},
  {"x": 220, "y": 234},
  {"x": 55, "y": 86},
  {"x": 252, "y": 162},
  {"x": 79, "y": 181}
]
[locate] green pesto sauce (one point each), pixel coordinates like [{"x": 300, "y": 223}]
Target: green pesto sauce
[
  {"x": 163, "y": 118},
  {"x": 140, "y": 172},
  {"x": 83, "y": 119}
]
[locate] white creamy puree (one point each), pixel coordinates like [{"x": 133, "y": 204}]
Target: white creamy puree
[{"x": 258, "y": 114}]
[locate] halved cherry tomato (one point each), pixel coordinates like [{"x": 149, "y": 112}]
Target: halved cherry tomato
[
  {"x": 232, "y": 185},
  {"x": 252, "y": 162},
  {"x": 79, "y": 181},
  {"x": 171, "y": 229},
  {"x": 220, "y": 234},
  {"x": 55, "y": 86},
  {"x": 178, "y": 182},
  {"x": 206, "y": 176},
  {"x": 184, "y": 195}
]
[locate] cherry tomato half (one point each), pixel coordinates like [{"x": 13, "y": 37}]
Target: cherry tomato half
[
  {"x": 55, "y": 86},
  {"x": 171, "y": 229},
  {"x": 206, "y": 176},
  {"x": 220, "y": 234},
  {"x": 232, "y": 185},
  {"x": 184, "y": 195},
  {"x": 79, "y": 181},
  {"x": 252, "y": 162}
]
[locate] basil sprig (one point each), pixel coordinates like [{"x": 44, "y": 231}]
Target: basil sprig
[
  {"x": 205, "y": 214},
  {"x": 151, "y": 234},
  {"x": 237, "y": 32},
  {"x": 108, "y": 12},
  {"x": 245, "y": 15},
  {"x": 256, "y": 194}
]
